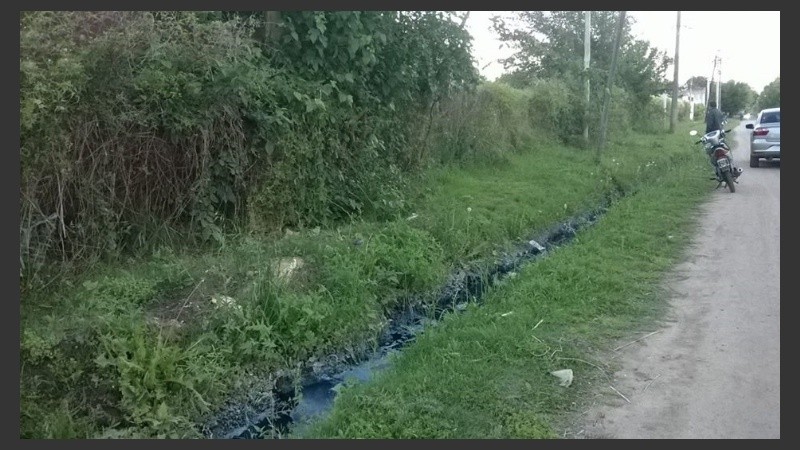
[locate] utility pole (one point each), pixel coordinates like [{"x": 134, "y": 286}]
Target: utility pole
[
  {"x": 710, "y": 82},
  {"x": 587, "y": 51},
  {"x": 719, "y": 84},
  {"x": 674, "y": 113},
  {"x": 691, "y": 101},
  {"x": 609, "y": 84}
]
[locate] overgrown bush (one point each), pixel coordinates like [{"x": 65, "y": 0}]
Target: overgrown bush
[
  {"x": 648, "y": 117},
  {"x": 555, "y": 108},
  {"x": 154, "y": 131},
  {"x": 700, "y": 113},
  {"x": 139, "y": 126},
  {"x": 484, "y": 126}
]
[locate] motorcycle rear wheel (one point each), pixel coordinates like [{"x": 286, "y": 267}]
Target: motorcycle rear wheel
[{"x": 729, "y": 182}]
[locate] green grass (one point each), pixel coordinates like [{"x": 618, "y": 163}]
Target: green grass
[
  {"x": 473, "y": 211},
  {"x": 138, "y": 348},
  {"x": 486, "y": 373}
]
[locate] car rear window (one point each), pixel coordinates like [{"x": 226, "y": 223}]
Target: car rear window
[{"x": 771, "y": 117}]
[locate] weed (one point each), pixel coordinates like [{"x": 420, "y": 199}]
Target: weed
[{"x": 154, "y": 377}]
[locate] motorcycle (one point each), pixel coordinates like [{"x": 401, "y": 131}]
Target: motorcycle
[{"x": 720, "y": 158}]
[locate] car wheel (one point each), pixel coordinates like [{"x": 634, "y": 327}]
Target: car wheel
[{"x": 754, "y": 161}]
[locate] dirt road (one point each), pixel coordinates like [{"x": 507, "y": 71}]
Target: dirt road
[{"x": 713, "y": 369}]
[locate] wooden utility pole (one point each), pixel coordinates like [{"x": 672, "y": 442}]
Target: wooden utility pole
[
  {"x": 711, "y": 82},
  {"x": 609, "y": 84},
  {"x": 673, "y": 118},
  {"x": 719, "y": 84},
  {"x": 587, "y": 52}
]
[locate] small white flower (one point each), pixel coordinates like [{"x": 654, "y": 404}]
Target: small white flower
[{"x": 469, "y": 209}]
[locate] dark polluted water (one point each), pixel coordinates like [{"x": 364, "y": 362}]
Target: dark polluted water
[{"x": 294, "y": 407}]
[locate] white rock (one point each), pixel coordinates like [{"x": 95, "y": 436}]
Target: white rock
[
  {"x": 536, "y": 245},
  {"x": 286, "y": 267},
  {"x": 565, "y": 375}
]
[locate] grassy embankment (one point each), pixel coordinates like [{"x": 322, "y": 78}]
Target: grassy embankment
[
  {"x": 149, "y": 348},
  {"x": 486, "y": 372}
]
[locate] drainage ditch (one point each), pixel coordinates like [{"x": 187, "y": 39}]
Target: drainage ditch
[{"x": 308, "y": 393}]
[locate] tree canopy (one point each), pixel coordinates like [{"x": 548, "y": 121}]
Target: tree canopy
[
  {"x": 737, "y": 97},
  {"x": 770, "y": 97},
  {"x": 550, "y": 44}
]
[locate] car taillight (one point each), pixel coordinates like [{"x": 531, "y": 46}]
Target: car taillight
[
  {"x": 719, "y": 153},
  {"x": 760, "y": 131}
]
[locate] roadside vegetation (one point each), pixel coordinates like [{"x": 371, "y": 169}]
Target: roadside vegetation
[
  {"x": 486, "y": 372},
  {"x": 207, "y": 199}
]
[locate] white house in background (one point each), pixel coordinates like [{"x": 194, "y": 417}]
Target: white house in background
[{"x": 697, "y": 95}]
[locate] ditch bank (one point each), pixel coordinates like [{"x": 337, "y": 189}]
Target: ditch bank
[{"x": 288, "y": 400}]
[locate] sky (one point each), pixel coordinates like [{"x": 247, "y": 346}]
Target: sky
[{"x": 738, "y": 37}]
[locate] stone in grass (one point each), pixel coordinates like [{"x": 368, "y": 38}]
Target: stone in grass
[
  {"x": 565, "y": 375},
  {"x": 286, "y": 267},
  {"x": 537, "y": 246}
]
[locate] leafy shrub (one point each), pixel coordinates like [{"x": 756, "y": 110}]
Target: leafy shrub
[
  {"x": 156, "y": 379},
  {"x": 404, "y": 258},
  {"x": 123, "y": 289},
  {"x": 469, "y": 127},
  {"x": 553, "y": 107},
  {"x": 184, "y": 124}
]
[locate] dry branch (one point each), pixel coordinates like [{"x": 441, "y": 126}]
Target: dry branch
[
  {"x": 620, "y": 393},
  {"x": 637, "y": 340}
]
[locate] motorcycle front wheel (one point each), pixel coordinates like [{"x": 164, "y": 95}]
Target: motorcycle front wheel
[{"x": 729, "y": 182}]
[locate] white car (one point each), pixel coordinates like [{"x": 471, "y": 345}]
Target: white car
[{"x": 765, "y": 140}]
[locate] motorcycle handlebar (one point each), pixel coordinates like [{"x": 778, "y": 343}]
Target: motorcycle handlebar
[{"x": 723, "y": 132}]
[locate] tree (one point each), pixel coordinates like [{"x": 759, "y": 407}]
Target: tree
[
  {"x": 550, "y": 44},
  {"x": 770, "y": 97},
  {"x": 518, "y": 80},
  {"x": 697, "y": 81},
  {"x": 380, "y": 57},
  {"x": 738, "y": 97},
  {"x": 642, "y": 70}
]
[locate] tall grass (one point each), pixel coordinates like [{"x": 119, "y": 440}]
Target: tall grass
[
  {"x": 486, "y": 372},
  {"x": 167, "y": 312}
]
